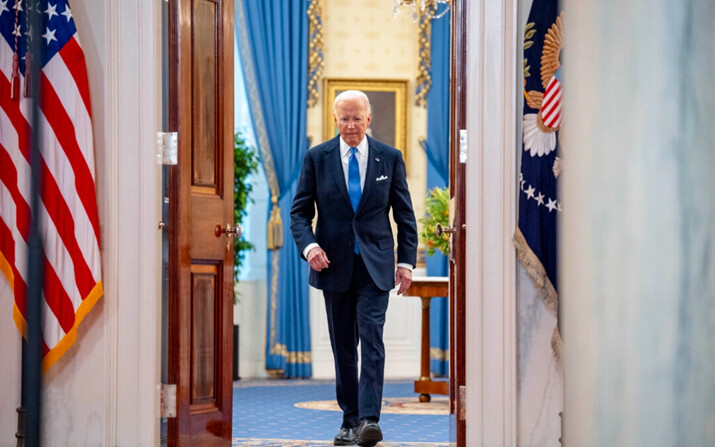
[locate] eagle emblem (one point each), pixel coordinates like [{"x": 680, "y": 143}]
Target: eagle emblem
[{"x": 540, "y": 128}]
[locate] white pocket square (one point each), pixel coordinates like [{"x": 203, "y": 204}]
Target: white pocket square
[{"x": 381, "y": 178}]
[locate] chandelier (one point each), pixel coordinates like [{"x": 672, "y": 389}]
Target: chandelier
[{"x": 430, "y": 9}]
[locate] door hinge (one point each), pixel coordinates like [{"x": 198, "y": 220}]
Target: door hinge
[
  {"x": 167, "y": 401},
  {"x": 462, "y": 403},
  {"x": 462, "y": 146},
  {"x": 167, "y": 148}
]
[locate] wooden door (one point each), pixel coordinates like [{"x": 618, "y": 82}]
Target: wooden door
[
  {"x": 457, "y": 271},
  {"x": 200, "y": 198}
]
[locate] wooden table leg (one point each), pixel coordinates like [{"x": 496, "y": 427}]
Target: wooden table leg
[
  {"x": 425, "y": 289},
  {"x": 425, "y": 357}
]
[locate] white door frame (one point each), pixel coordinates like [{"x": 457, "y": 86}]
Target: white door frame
[
  {"x": 131, "y": 193},
  {"x": 491, "y": 343}
]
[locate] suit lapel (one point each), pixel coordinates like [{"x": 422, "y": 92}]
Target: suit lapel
[
  {"x": 373, "y": 155},
  {"x": 335, "y": 166}
]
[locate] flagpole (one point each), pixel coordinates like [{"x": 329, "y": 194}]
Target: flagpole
[
  {"x": 20, "y": 434},
  {"x": 32, "y": 352}
]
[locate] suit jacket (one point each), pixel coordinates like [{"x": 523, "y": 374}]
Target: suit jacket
[{"x": 322, "y": 185}]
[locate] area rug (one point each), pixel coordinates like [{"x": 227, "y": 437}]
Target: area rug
[
  {"x": 392, "y": 405},
  {"x": 284, "y": 413},
  {"x": 285, "y": 443}
]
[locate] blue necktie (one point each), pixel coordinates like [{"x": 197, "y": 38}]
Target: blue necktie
[{"x": 354, "y": 188}]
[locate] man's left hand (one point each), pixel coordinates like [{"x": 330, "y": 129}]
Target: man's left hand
[{"x": 403, "y": 277}]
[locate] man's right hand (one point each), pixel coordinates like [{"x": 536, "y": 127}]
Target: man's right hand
[{"x": 317, "y": 259}]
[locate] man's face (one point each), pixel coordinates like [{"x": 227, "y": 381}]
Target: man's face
[{"x": 352, "y": 120}]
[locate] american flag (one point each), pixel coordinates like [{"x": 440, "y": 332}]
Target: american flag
[
  {"x": 539, "y": 205},
  {"x": 68, "y": 211},
  {"x": 535, "y": 237}
]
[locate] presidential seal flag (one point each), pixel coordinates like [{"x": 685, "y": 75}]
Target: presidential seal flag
[
  {"x": 68, "y": 208},
  {"x": 541, "y": 164}
]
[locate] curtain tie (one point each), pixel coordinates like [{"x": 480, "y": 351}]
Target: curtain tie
[{"x": 275, "y": 226}]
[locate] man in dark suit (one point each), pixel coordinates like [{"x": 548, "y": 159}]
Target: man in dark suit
[{"x": 353, "y": 181}]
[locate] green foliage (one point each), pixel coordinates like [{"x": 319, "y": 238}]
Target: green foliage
[
  {"x": 437, "y": 212},
  {"x": 245, "y": 163}
]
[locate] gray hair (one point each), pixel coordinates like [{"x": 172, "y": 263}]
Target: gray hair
[{"x": 352, "y": 94}]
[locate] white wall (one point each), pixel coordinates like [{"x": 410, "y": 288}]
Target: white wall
[
  {"x": 10, "y": 368},
  {"x": 638, "y": 270},
  {"x": 249, "y": 314},
  {"x": 102, "y": 392}
]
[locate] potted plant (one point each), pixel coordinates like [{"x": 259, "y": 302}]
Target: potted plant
[
  {"x": 436, "y": 212},
  {"x": 245, "y": 163}
]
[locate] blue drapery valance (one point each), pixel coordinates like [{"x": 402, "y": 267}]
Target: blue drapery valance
[
  {"x": 272, "y": 36},
  {"x": 436, "y": 146}
]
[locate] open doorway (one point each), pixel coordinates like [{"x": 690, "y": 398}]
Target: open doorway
[{"x": 368, "y": 45}]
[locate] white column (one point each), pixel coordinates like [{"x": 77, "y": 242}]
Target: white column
[
  {"x": 132, "y": 210},
  {"x": 637, "y": 254},
  {"x": 491, "y": 330}
]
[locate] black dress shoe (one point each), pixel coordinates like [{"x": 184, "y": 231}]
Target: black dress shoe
[
  {"x": 368, "y": 433},
  {"x": 346, "y": 436}
]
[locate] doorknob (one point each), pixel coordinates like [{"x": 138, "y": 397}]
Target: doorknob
[
  {"x": 237, "y": 231},
  {"x": 438, "y": 230},
  {"x": 230, "y": 231}
]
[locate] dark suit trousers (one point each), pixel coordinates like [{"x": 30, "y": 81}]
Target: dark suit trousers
[{"x": 358, "y": 314}]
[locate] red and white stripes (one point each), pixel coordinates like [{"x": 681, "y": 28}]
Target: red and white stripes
[
  {"x": 551, "y": 107},
  {"x": 70, "y": 223}
]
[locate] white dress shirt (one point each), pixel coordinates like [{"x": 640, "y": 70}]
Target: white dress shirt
[{"x": 361, "y": 154}]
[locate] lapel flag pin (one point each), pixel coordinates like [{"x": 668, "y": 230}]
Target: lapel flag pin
[{"x": 377, "y": 160}]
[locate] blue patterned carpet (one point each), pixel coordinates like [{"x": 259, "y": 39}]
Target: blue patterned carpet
[{"x": 265, "y": 414}]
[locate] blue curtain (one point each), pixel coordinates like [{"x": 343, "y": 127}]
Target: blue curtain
[
  {"x": 436, "y": 146},
  {"x": 272, "y": 36}
]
